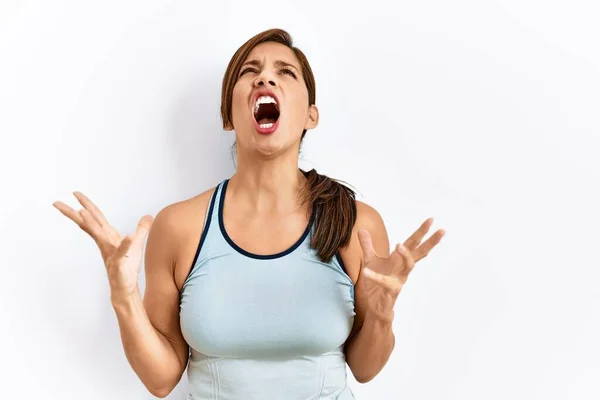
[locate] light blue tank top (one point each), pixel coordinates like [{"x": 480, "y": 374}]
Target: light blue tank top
[{"x": 264, "y": 327}]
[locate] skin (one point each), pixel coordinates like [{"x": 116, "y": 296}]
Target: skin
[{"x": 267, "y": 219}]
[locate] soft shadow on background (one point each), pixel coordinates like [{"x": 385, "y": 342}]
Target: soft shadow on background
[
  {"x": 482, "y": 115},
  {"x": 198, "y": 150}
]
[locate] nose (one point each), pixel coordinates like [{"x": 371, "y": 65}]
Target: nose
[{"x": 264, "y": 78}]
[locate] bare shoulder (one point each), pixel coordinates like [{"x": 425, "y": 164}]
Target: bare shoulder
[
  {"x": 367, "y": 218},
  {"x": 179, "y": 226},
  {"x": 177, "y": 218}
]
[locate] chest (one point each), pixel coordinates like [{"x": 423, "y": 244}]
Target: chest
[
  {"x": 233, "y": 306},
  {"x": 256, "y": 234}
]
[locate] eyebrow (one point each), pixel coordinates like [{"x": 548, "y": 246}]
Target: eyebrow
[{"x": 278, "y": 63}]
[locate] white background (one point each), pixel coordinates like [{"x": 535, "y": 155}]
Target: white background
[{"x": 481, "y": 114}]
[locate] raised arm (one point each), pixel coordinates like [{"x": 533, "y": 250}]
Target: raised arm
[{"x": 149, "y": 328}]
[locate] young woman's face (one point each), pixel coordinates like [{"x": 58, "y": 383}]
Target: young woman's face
[{"x": 270, "y": 101}]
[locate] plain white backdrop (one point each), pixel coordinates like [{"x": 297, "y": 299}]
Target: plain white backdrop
[{"x": 480, "y": 114}]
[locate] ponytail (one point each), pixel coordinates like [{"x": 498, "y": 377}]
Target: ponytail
[{"x": 335, "y": 213}]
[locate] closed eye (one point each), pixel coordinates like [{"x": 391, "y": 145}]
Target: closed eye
[
  {"x": 288, "y": 71},
  {"x": 248, "y": 69}
]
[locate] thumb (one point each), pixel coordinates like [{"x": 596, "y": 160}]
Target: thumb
[
  {"x": 364, "y": 237},
  {"x": 143, "y": 227}
]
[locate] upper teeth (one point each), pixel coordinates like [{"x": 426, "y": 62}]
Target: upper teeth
[{"x": 263, "y": 100}]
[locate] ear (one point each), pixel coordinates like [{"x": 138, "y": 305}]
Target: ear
[{"x": 312, "y": 119}]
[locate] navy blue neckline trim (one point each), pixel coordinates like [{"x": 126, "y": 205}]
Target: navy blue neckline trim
[
  {"x": 252, "y": 255},
  {"x": 204, "y": 233},
  {"x": 338, "y": 256}
]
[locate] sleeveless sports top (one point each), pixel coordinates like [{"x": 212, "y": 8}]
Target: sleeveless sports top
[{"x": 264, "y": 327}]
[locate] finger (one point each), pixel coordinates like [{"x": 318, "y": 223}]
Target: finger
[
  {"x": 91, "y": 207},
  {"x": 390, "y": 282},
  {"x": 423, "y": 250},
  {"x": 124, "y": 247},
  {"x": 92, "y": 227},
  {"x": 366, "y": 243},
  {"x": 88, "y": 204},
  {"x": 406, "y": 255},
  {"x": 415, "y": 239},
  {"x": 68, "y": 212}
]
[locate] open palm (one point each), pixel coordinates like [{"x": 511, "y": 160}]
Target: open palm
[
  {"x": 122, "y": 256},
  {"x": 386, "y": 275}
]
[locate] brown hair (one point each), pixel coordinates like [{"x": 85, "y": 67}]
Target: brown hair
[{"x": 334, "y": 204}]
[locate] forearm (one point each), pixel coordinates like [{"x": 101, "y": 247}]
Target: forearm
[
  {"x": 149, "y": 353},
  {"x": 369, "y": 350}
]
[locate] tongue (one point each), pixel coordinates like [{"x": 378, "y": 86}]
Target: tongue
[{"x": 266, "y": 121}]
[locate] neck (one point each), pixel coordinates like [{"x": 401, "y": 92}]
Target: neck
[{"x": 267, "y": 184}]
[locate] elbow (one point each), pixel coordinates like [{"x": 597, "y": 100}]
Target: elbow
[
  {"x": 364, "y": 378},
  {"x": 163, "y": 390},
  {"x": 163, "y": 387},
  {"x": 161, "y": 393},
  {"x": 362, "y": 374}
]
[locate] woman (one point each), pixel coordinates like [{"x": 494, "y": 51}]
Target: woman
[{"x": 262, "y": 278}]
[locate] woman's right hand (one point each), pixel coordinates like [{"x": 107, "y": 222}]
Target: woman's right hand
[{"x": 122, "y": 255}]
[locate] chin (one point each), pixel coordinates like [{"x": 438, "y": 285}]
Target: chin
[
  {"x": 271, "y": 145},
  {"x": 268, "y": 146}
]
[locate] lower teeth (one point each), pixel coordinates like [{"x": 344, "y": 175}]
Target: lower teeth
[{"x": 266, "y": 126}]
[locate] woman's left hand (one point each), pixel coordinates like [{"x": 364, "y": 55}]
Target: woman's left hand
[{"x": 386, "y": 275}]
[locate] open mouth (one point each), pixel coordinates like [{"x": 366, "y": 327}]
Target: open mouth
[{"x": 266, "y": 112}]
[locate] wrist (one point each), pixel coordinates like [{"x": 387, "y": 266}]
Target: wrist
[
  {"x": 380, "y": 317},
  {"x": 120, "y": 299}
]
